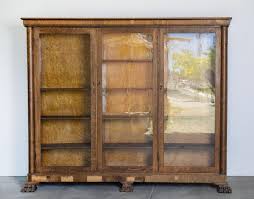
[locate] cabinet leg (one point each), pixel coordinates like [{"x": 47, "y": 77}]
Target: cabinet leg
[
  {"x": 126, "y": 187},
  {"x": 29, "y": 187},
  {"x": 223, "y": 188}
]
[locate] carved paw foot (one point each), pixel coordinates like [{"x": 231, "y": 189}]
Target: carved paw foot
[
  {"x": 126, "y": 187},
  {"x": 224, "y": 188},
  {"x": 28, "y": 187}
]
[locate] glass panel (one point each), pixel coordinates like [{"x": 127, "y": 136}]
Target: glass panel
[
  {"x": 66, "y": 97},
  {"x": 201, "y": 156},
  {"x": 65, "y": 103},
  {"x": 65, "y": 60},
  {"x": 127, "y": 46},
  {"x": 127, "y": 102},
  {"x": 127, "y": 99},
  {"x": 189, "y": 100},
  {"x": 65, "y": 131},
  {"x": 66, "y": 157},
  {"x": 138, "y": 130},
  {"x": 127, "y": 75}
]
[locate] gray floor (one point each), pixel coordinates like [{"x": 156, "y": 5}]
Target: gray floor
[{"x": 243, "y": 188}]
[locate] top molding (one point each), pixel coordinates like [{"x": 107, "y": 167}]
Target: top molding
[{"x": 110, "y": 22}]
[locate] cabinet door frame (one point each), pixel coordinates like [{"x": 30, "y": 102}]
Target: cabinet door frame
[
  {"x": 218, "y": 81},
  {"x": 131, "y": 169},
  {"x": 37, "y": 65}
]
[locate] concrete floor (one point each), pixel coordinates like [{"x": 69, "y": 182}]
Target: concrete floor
[{"x": 243, "y": 188}]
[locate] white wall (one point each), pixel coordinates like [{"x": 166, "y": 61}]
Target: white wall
[{"x": 13, "y": 85}]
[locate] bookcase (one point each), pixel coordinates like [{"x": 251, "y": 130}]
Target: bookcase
[{"x": 127, "y": 100}]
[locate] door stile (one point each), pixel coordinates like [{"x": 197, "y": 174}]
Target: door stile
[
  {"x": 161, "y": 99},
  {"x": 218, "y": 101},
  {"x": 99, "y": 99},
  {"x": 93, "y": 66},
  {"x": 223, "y": 160},
  {"x": 155, "y": 100}
]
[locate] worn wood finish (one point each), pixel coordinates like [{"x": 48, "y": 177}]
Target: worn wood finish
[
  {"x": 96, "y": 104},
  {"x": 95, "y": 22},
  {"x": 133, "y": 176}
]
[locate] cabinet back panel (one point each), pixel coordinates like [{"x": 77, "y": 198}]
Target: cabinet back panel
[
  {"x": 138, "y": 130},
  {"x": 66, "y": 157},
  {"x": 127, "y": 101},
  {"x": 128, "y": 157},
  {"x": 65, "y": 131},
  {"x": 197, "y": 157},
  {"x": 65, "y": 60},
  {"x": 65, "y": 103},
  {"x": 127, "y": 75}
]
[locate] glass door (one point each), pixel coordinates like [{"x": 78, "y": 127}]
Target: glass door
[
  {"x": 128, "y": 100},
  {"x": 190, "y": 100},
  {"x": 64, "y": 115}
]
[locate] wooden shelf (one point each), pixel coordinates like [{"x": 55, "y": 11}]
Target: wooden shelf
[
  {"x": 189, "y": 138},
  {"x": 187, "y": 145},
  {"x": 127, "y": 145},
  {"x": 66, "y": 117},
  {"x": 126, "y": 115},
  {"x": 125, "y": 89},
  {"x": 66, "y": 146},
  {"x": 64, "y": 89},
  {"x": 126, "y": 60},
  {"x": 185, "y": 116}
]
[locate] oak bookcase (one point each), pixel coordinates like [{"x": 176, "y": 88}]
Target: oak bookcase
[{"x": 127, "y": 100}]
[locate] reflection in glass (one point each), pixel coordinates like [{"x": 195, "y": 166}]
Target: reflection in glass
[
  {"x": 189, "y": 100},
  {"x": 124, "y": 46}
]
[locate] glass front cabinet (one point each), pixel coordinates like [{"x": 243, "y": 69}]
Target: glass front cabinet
[{"x": 127, "y": 100}]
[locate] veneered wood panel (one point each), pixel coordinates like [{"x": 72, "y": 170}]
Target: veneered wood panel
[
  {"x": 66, "y": 157},
  {"x": 61, "y": 103},
  {"x": 65, "y": 60},
  {"x": 65, "y": 131},
  {"x": 128, "y": 157},
  {"x": 138, "y": 130}
]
